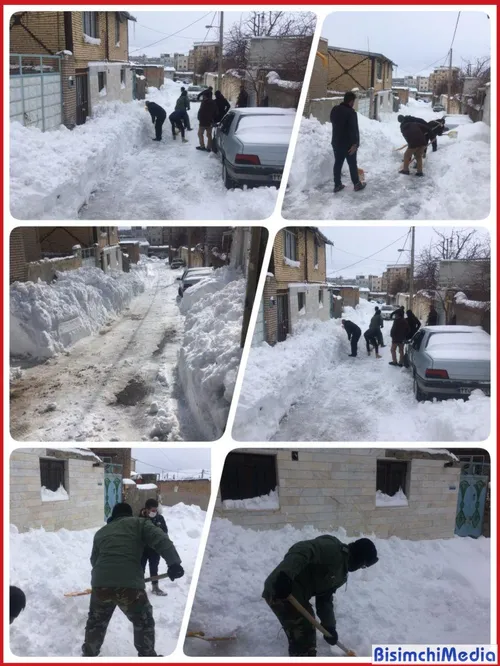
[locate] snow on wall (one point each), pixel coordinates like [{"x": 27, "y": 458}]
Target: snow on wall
[
  {"x": 264, "y": 502},
  {"x": 53, "y": 495},
  {"x": 210, "y": 352},
  {"x": 45, "y": 318}
]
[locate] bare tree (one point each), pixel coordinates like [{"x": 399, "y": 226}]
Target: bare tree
[
  {"x": 206, "y": 64},
  {"x": 398, "y": 285}
]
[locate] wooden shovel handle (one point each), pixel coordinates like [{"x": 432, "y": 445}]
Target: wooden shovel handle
[{"x": 152, "y": 579}]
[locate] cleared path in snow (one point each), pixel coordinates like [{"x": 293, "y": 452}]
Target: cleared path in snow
[
  {"x": 141, "y": 346},
  {"x": 172, "y": 180}
]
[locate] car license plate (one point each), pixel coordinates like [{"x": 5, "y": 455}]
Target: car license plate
[
  {"x": 276, "y": 177},
  {"x": 465, "y": 391}
]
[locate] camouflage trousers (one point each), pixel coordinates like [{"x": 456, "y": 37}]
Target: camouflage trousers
[
  {"x": 299, "y": 631},
  {"x": 134, "y": 604}
]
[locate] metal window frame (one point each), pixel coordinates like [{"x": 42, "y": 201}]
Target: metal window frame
[{"x": 288, "y": 234}]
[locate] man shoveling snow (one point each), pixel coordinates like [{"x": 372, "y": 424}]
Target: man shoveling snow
[{"x": 315, "y": 568}]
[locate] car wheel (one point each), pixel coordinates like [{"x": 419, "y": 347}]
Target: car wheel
[
  {"x": 419, "y": 395},
  {"x": 228, "y": 181}
]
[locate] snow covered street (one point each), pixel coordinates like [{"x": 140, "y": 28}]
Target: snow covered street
[
  {"x": 47, "y": 565},
  {"x": 115, "y": 385},
  {"x": 308, "y": 389},
  {"x": 431, "y": 592},
  {"x": 456, "y": 182}
]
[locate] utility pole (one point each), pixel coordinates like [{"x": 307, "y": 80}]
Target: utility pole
[
  {"x": 412, "y": 265},
  {"x": 449, "y": 84},
  {"x": 221, "y": 46},
  {"x": 253, "y": 273},
  {"x": 189, "y": 235}
]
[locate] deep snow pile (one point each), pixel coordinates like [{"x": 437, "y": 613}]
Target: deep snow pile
[
  {"x": 52, "y": 174},
  {"x": 276, "y": 377},
  {"x": 456, "y": 184},
  {"x": 308, "y": 389},
  {"x": 46, "y": 565},
  {"x": 47, "y": 318},
  {"x": 210, "y": 353},
  {"x": 431, "y": 592}
]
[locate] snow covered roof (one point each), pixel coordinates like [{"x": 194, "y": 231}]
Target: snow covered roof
[
  {"x": 128, "y": 482},
  {"x": 320, "y": 236},
  {"x": 461, "y": 299},
  {"x": 87, "y": 453},
  {"x": 146, "y": 486},
  {"x": 169, "y": 69}
]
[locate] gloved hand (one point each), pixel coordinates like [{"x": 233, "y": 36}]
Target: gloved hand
[
  {"x": 175, "y": 571},
  {"x": 282, "y": 586},
  {"x": 335, "y": 637}
]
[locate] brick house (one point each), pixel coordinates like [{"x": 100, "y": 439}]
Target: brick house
[
  {"x": 112, "y": 456},
  {"x": 187, "y": 491},
  {"x": 78, "y": 506},
  {"x": 85, "y": 52},
  {"x": 357, "y": 489},
  {"x": 296, "y": 287}
]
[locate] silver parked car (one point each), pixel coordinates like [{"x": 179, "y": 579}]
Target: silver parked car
[
  {"x": 386, "y": 311},
  {"x": 449, "y": 361},
  {"x": 252, "y": 144},
  {"x": 192, "y": 276},
  {"x": 194, "y": 91}
]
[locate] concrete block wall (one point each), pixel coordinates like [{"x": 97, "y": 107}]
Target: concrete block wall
[
  {"x": 332, "y": 488},
  {"x": 85, "y": 486},
  {"x": 46, "y": 270},
  {"x": 313, "y": 308},
  {"x": 115, "y": 91}
]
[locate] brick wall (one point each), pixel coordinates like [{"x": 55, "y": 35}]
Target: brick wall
[
  {"x": 63, "y": 239},
  {"x": 48, "y": 27},
  {"x": 46, "y": 270},
  {"x": 336, "y": 488},
  {"x": 118, "y": 457},
  {"x": 187, "y": 492},
  {"x": 315, "y": 274},
  {"x": 284, "y": 273},
  {"x": 270, "y": 311},
  {"x": 24, "y": 247},
  {"x": 84, "y": 52},
  {"x": 319, "y": 77},
  {"x": 68, "y": 92},
  {"x": 137, "y": 498},
  {"x": 85, "y": 507},
  {"x": 361, "y": 65}
]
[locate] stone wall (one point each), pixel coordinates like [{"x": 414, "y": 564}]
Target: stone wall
[
  {"x": 137, "y": 498},
  {"x": 314, "y": 308},
  {"x": 188, "y": 492},
  {"x": 332, "y": 488},
  {"x": 46, "y": 270},
  {"x": 85, "y": 486}
]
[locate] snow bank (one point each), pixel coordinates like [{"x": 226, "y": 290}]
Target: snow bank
[
  {"x": 461, "y": 299},
  {"x": 46, "y": 318},
  {"x": 52, "y": 174},
  {"x": 210, "y": 353},
  {"x": 276, "y": 377},
  {"x": 264, "y": 502},
  {"x": 46, "y": 565},
  {"x": 53, "y": 495},
  {"x": 398, "y": 499},
  {"x": 447, "y": 581}
]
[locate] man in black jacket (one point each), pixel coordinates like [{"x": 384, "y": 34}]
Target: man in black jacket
[
  {"x": 399, "y": 335},
  {"x": 158, "y": 115},
  {"x": 206, "y": 118},
  {"x": 17, "y": 602},
  {"x": 345, "y": 141},
  {"x": 223, "y": 106},
  {"x": 200, "y": 95},
  {"x": 151, "y": 556},
  {"x": 242, "y": 101},
  {"x": 353, "y": 335},
  {"x": 435, "y": 127}
]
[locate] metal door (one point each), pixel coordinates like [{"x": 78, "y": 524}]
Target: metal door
[
  {"x": 112, "y": 488},
  {"x": 82, "y": 97},
  {"x": 283, "y": 320},
  {"x": 470, "y": 505}
]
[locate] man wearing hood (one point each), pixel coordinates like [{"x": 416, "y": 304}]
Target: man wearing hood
[
  {"x": 436, "y": 127},
  {"x": 314, "y": 568},
  {"x": 158, "y": 115},
  {"x": 418, "y": 133},
  {"x": 345, "y": 142},
  {"x": 223, "y": 106}
]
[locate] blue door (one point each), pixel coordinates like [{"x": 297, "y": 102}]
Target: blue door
[
  {"x": 470, "y": 505},
  {"x": 112, "y": 488}
]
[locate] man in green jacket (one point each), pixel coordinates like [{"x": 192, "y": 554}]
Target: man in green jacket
[
  {"x": 315, "y": 568},
  {"x": 118, "y": 578},
  {"x": 184, "y": 106}
]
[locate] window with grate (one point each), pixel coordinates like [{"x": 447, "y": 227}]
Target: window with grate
[
  {"x": 91, "y": 24},
  {"x": 391, "y": 476},
  {"x": 320, "y": 296},
  {"x": 101, "y": 81},
  {"x": 316, "y": 252},
  {"x": 301, "y": 296},
  {"x": 290, "y": 245},
  {"x": 248, "y": 475},
  {"x": 52, "y": 473},
  {"x": 379, "y": 69},
  {"x": 122, "y": 76}
]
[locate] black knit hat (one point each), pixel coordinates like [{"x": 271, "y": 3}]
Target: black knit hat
[
  {"x": 121, "y": 510},
  {"x": 362, "y": 553},
  {"x": 17, "y": 602}
]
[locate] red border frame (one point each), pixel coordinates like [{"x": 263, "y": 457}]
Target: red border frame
[{"x": 368, "y": 4}]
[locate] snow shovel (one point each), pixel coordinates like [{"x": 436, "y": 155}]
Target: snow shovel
[
  {"x": 452, "y": 134},
  {"x": 298, "y": 606},
  {"x": 89, "y": 590},
  {"x": 211, "y": 639}
]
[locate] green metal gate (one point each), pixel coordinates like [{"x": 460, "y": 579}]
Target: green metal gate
[
  {"x": 112, "y": 487},
  {"x": 472, "y": 492}
]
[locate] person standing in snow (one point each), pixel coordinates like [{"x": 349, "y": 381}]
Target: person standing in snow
[
  {"x": 17, "y": 602},
  {"x": 158, "y": 115},
  {"x": 432, "y": 317},
  {"x": 399, "y": 335},
  {"x": 398, "y": 312},
  {"x": 202, "y": 94},
  {"x": 371, "y": 338},
  {"x": 206, "y": 117},
  {"x": 150, "y": 512},
  {"x": 345, "y": 142},
  {"x": 223, "y": 106},
  {"x": 436, "y": 128},
  {"x": 417, "y": 136},
  {"x": 413, "y": 324},
  {"x": 184, "y": 106},
  {"x": 242, "y": 100},
  {"x": 314, "y": 568},
  {"x": 377, "y": 323},
  {"x": 176, "y": 119},
  {"x": 353, "y": 335},
  {"x": 118, "y": 579}
]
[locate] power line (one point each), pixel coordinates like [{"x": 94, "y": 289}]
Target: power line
[
  {"x": 382, "y": 261},
  {"x": 456, "y": 26},
  {"x": 369, "y": 256},
  {"x": 173, "y": 34},
  {"x": 404, "y": 245},
  {"x": 162, "y": 32}
]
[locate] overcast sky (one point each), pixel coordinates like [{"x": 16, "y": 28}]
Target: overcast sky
[
  {"x": 155, "y": 26},
  {"x": 413, "y": 40},
  {"x": 352, "y": 244},
  {"x": 153, "y": 461}
]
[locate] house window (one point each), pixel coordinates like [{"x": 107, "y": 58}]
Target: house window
[
  {"x": 117, "y": 28},
  {"x": 290, "y": 245},
  {"x": 320, "y": 296},
  {"x": 122, "y": 76},
  {"x": 91, "y": 24},
  {"x": 108, "y": 259},
  {"x": 391, "y": 476},
  {"x": 316, "y": 253},
  {"x": 101, "y": 80},
  {"x": 52, "y": 473},
  {"x": 379, "y": 70},
  {"x": 248, "y": 475},
  {"x": 301, "y": 296}
]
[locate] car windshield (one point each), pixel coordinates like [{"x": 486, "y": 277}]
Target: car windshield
[
  {"x": 194, "y": 89},
  {"x": 265, "y": 122},
  {"x": 387, "y": 308}
]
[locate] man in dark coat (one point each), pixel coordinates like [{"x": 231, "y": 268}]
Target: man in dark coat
[
  {"x": 158, "y": 115},
  {"x": 436, "y": 127},
  {"x": 399, "y": 335},
  {"x": 432, "y": 317},
  {"x": 206, "y": 117},
  {"x": 150, "y": 555},
  {"x": 184, "y": 106},
  {"x": 242, "y": 101},
  {"x": 203, "y": 92},
  {"x": 353, "y": 335},
  {"x": 177, "y": 119},
  {"x": 345, "y": 141},
  {"x": 398, "y": 312},
  {"x": 315, "y": 568},
  {"x": 413, "y": 324},
  {"x": 371, "y": 338},
  {"x": 17, "y": 602},
  {"x": 377, "y": 323},
  {"x": 223, "y": 106},
  {"x": 118, "y": 579}
]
